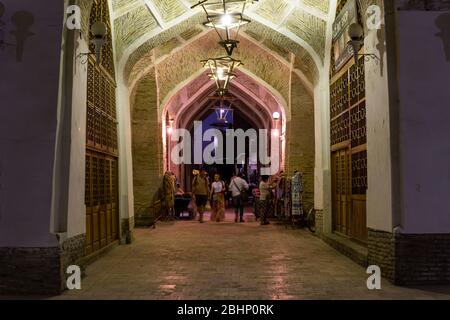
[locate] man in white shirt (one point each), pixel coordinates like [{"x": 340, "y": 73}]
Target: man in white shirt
[{"x": 237, "y": 185}]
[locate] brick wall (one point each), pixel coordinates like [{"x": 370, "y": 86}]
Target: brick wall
[
  {"x": 300, "y": 146},
  {"x": 422, "y": 258},
  {"x": 147, "y": 143},
  {"x": 381, "y": 252},
  {"x": 30, "y": 271},
  {"x": 72, "y": 251},
  {"x": 39, "y": 271},
  {"x": 411, "y": 259}
]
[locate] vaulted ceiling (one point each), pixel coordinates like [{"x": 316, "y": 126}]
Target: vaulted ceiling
[{"x": 281, "y": 26}]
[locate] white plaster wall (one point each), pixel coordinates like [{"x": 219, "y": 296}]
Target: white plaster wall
[
  {"x": 322, "y": 189},
  {"x": 379, "y": 192},
  {"x": 28, "y": 113},
  {"x": 76, "y": 221},
  {"x": 424, "y": 89},
  {"x": 318, "y": 169},
  {"x": 125, "y": 150}
]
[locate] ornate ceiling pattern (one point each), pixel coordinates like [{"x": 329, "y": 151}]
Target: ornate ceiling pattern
[
  {"x": 283, "y": 26},
  {"x": 176, "y": 68},
  {"x": 194, "y": 95}
]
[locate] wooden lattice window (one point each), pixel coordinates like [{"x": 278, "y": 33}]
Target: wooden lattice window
[
  {"x": 348, "y": 133},
  {"x": 101, "y": 143}
]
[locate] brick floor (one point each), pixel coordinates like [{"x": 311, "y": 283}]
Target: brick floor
[{"x": 188, "y": 260}]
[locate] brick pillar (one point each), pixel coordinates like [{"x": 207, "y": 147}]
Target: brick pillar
[
  {"x": 147, "y": 147},
  {"x": 300, "y": 144}
]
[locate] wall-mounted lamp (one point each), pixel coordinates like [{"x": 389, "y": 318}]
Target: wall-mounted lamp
[
  {"x": 356, "y": 34},
  {"x": 99, "y": 30},
  {"x": 4, "y": 44},
  {"x": 276, "y": 116}
]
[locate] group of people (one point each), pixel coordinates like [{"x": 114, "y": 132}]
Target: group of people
[
  {"x": 215, "y": 193},
  {"x": 212, "y": 197}
]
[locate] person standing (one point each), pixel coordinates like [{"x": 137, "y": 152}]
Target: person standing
[
  {"x": 200, "y": 189},
  {"x": 168, "y": 194},
  {"x": 218, "y": 199},
  {"x": 238, "y": 187},
  {"x": 256, "y": 205},
  {"x": 264, "y": 200}
]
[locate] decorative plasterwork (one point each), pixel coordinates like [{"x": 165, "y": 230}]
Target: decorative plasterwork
[
  {"x": 196, "y": 92},
  {"x": 285, "y": 25},
  {"x": 184, "y": 62}
]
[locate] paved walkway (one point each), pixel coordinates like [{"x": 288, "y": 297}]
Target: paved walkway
[{"x": 188, "y": 260}]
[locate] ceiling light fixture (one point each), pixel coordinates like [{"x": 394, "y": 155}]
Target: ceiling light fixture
[
  {"x": 224, "y": 111},
  {"x": 222, "y": 71},
  {"x": 223, "y": 16}
]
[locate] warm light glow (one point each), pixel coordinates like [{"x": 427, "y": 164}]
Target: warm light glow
[
  {"x": 276, "y": 116},
  {"x": 221, "y": 74},
  {"x": 276, "y": 132},
  {"x": 221, "y": 71},
  {"x": 226, "y": 20},
  {"x": 170, "y": 127}
]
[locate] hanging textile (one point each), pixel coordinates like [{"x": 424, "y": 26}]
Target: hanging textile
[
  {"x": 297, "y": 190},
  {"x": 287, "y": 196}
]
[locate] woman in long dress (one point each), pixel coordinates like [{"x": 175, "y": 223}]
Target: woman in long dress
[{"x": 218, "y": 199}]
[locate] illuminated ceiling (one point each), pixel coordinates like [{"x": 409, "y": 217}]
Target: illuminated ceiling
[{"x": 282, "y": 26}]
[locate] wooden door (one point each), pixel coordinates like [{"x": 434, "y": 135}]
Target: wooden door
[
  {"x": 101, "y": 201},
  {"x": 341, "y": 191},
  {"x": 349, "y": 151}
]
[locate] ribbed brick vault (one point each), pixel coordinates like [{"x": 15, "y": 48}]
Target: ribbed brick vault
[
  {"x": 253, "y": 99},
  {"x": 181, "y": 66},
  {"x": 283, "y": 27}
]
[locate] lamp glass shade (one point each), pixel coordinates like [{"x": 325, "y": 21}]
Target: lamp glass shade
[
  {"x": 226, "y": 21},
  {"x": 99, "y": 29},
  {"x": 355, "y": 31},
  {"x": 222, "y": 71},
  {"x": 276, "y": 116}
]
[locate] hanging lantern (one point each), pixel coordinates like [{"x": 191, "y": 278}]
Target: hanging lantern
[
  {"x": 223, "y": 112},
  {"x": 224, "y": 16},
  {"x": 222, "y": 72}
]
